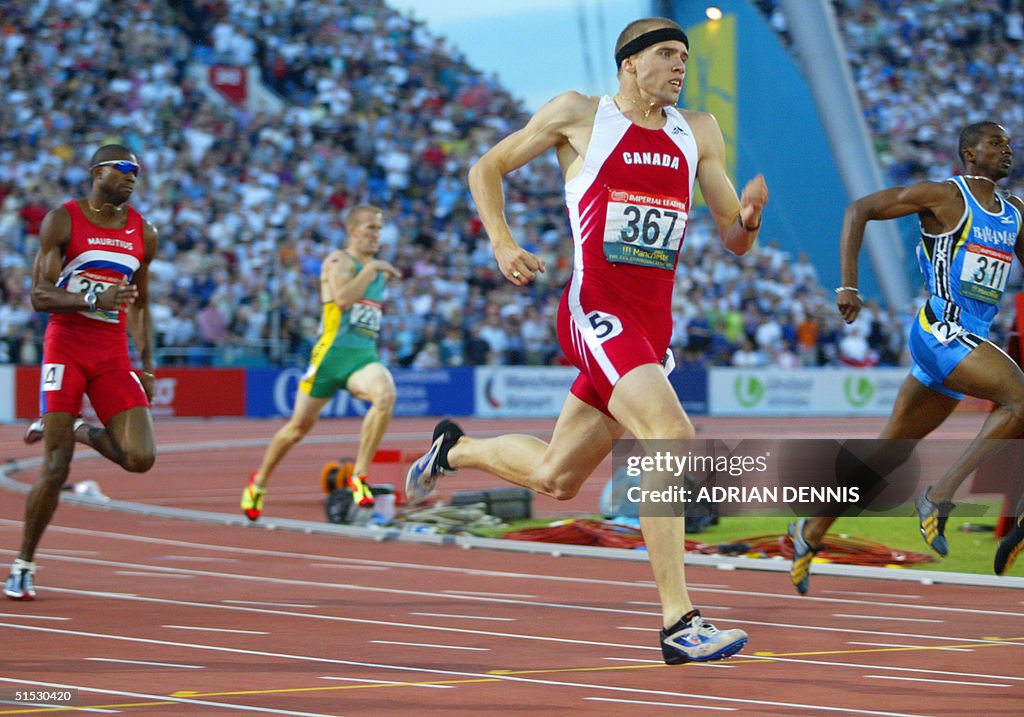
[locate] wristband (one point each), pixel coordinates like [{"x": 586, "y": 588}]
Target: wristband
[{"x": 850, "y": 288}]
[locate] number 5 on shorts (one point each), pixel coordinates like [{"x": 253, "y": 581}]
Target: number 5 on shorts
[{"x": 604, "y": 326}]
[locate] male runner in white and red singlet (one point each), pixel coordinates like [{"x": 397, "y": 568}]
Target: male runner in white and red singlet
[
  {"x": 630, "y": 163},
  {"x": 90, "y": 274}
]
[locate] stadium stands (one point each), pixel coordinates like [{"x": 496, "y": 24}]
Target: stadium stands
[{"x": 377, "y": 109}]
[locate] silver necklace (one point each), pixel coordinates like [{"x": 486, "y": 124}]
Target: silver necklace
[{"x": 978, "y": 176}]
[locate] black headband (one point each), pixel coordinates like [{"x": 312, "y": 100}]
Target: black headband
[{"x": 647, "y": 39}]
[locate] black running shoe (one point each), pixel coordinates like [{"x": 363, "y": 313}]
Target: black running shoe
[
  {"x": 424, "y": 473},
  {"x": 1010, "y": 546},
  {"x": 693, "y": 640}
]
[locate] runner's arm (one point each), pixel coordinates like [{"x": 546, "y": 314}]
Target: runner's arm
[
  {"x": 738, "y": 219},
  {"x": 345, "y": 284},
  {"x": 54, "y": 235},
  {"x": 1019, "y": 246},
  {"x": 547, "y": 129},
  {"x": 923, "y": 197},
  {"x": 138, "y": 316}
]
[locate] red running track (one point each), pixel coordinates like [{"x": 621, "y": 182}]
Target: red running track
[{"x": 157, "y": 616}]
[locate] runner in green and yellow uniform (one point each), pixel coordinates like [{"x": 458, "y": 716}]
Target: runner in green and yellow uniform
[{"x": 344, "y": 357}]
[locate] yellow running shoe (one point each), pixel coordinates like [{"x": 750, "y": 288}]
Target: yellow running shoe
[
  {"x": 252, "y": 498},
  {"x": 361, "y": 492},
  {"x": 803, "y": 555},
  {"x": 932, "y": 517}
]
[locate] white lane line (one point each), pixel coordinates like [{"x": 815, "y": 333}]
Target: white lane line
[
  {"x": 775, "y": 597},
  {"x": 693, "y": 586},
  {"x": 503, "y": 635},
  {"x": 497, "y": 595},
  {"x": 941, "y": 682},
  {"x": 17, "y": 615},
  {"x": 661, "y": 704},
  {"x": 196, "y": 559},
  {"x": 463, "y": 617},
  {"x": 879, "y": 633},
  {"x": 882, "y": 667},
  {"x": 706, "y": 665},
  {"x": 66, "y": 551},
  {"x": 708, "y": 586},
  {"x": 143, "y": 662},
  {"x": 885, "y": 617},
  {"x": 859, "y": 632},
  {"x": 819, "y": 709},
  {"x": 428, "y": 644},
  {"x": 654, "y": 603},
  {"x": 215, "y": 629},
  {"x": 248, "y": 709},
  {"x": 380, "y": 623},
  {"x": 500, "y": 600},
  {"x": 919, "y": 647},
  {"x": 855, "y": 631},
  {"x": 336, "y": 566},
  {"x": 145, "y": 574},
  {"x": 268, "y": 604},
  {"x": 57, "y": 708},
  {"x": 872, "y": 595},
  {"x": 386, "y": 682}
]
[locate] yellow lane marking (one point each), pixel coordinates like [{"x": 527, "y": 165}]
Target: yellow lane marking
[
  {"x": 993, "y": 642},
  {"x": 85, "y": 708},
  {"x": 498, "y": 674}
]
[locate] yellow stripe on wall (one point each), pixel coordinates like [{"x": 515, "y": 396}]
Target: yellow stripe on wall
[{"x": 710, "y": 84}]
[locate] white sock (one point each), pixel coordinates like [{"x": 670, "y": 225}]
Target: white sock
[{"x": 20, "y": 565}]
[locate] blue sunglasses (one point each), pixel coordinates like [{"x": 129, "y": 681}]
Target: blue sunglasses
[{"x": 121, "y": 165}]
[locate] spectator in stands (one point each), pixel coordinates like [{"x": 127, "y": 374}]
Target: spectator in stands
[
  {"x": 807, "y": 340},
  {"x": 748, "y": 355},
  {"x": 228, "y": 186}
]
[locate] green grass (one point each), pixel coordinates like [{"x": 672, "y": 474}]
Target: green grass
[{"x": 969, "y": 552}]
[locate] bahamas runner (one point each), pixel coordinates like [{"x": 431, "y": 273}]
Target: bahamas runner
[
  {"x": 344, "y": 357},
  {"x": 970, "y": 234}
]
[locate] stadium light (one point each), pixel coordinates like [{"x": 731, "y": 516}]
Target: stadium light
[{"x": 713, "y": 13}]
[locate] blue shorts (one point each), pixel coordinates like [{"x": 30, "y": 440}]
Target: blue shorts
[{"x": 934, "y": 360}]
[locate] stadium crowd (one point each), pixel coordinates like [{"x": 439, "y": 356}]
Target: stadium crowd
[
  {"x": 248, "y": 202},
  {"x": 924, "y": 69}
]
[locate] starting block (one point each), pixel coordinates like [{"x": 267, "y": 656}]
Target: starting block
[{"x": 391, "y": 461}]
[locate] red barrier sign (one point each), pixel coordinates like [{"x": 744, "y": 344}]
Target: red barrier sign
[{"x": 178, "y": 392}]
